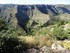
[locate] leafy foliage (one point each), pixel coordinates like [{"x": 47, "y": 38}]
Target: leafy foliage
[
  {"x": 66, "y": 44},
  {"x": 8, "y": 38},
  {"x": 60, "y": 34}
]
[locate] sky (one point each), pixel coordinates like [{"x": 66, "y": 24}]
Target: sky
[{"x": 34, "y": 1}]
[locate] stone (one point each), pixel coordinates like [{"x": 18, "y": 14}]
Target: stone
[
  {"x": 57, "y": 47},
  {"x": 32, "y": 50},
  {"x": 44, "y": 49}
]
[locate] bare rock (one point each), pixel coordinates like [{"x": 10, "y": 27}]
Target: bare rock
[
  {"x": 32, "y": 50},
  {"x": 44, "y": 49},
  {"x": 57, "y": 47}
]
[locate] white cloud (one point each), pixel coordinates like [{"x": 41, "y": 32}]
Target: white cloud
[{"x": 35, "y": 1}]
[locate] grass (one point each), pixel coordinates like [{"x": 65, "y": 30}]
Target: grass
[{"x": 36, "y": 40}]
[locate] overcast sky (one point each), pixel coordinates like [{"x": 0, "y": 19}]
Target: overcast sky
[{"x": 35, "y": 1}]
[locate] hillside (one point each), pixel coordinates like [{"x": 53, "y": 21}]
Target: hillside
[
  {"x": 34, "y": 28},
  {"x": 23, "y": 13}
]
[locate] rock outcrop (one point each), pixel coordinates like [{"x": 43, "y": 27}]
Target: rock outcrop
[{"x": 45, "y": 49}]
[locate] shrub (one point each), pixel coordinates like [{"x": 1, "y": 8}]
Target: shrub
[
  {"x": 10, "y": 44},
  {"x": 3, "y": 25},
  {"x": 31, "y": 31},
  {"x": 1, "y": 22},
  {"x": 8, "y": 38},
  {"x": 60, "y": 34},
  {"x": 66, "y": 44}
]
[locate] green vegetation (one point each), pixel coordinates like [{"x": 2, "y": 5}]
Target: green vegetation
[
  {"x": 66, "y": 44},
  {"x": 8, "y": 38},
  {"x": 13, "y": 39},
  {"x": 60, "y": 34}
]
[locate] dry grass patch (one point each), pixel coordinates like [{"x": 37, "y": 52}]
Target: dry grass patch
[
  {"x": 27, "y": 39},
  {"x": 36, "y": 40},
  {"x": 45, "y": 41}
]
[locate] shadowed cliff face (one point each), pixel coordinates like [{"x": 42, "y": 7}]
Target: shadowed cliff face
[
  {"x": 24, "y": 13},
  {"x": 42, "y": 8},
  {"x": 63, "y": 10},
  {"x": 54, "y": 9},
  {"x": 47, "y": 8}
]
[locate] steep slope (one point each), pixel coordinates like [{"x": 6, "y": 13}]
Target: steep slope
[
  {"x": 33, "y": 16},
  {"x": 7, "y": 11}
]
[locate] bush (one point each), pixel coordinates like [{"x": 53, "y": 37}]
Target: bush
[
  {"x": 10, "y": 44},
  {"x": 2, "y": 25},
  {"x": 8, "y": 38},
  {"x": 66, "y": 44},
  {"x": 31, "y": 31},
  {"x": 1, "y": 22},
  {"x": 60, "y": 34}
]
